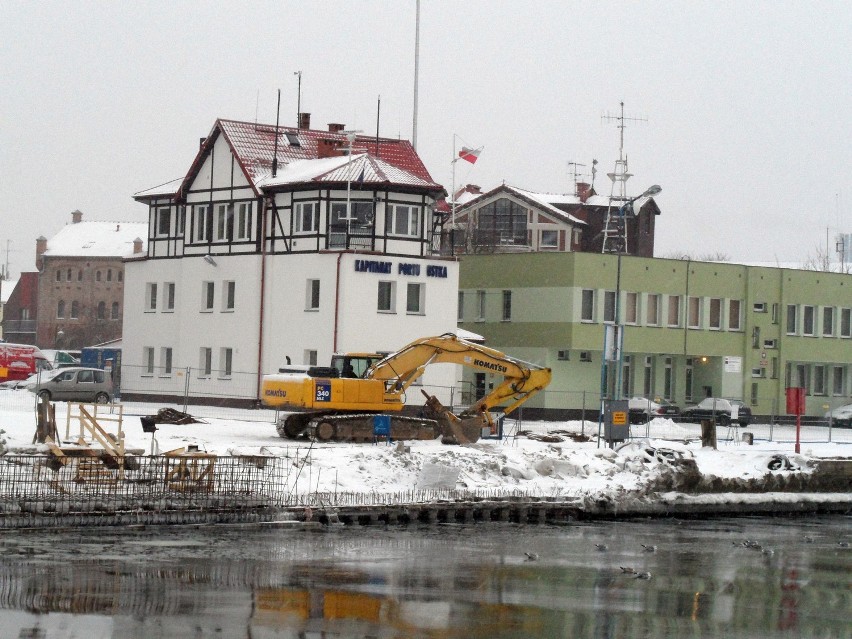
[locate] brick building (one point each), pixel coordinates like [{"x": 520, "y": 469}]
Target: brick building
[
  {"x": 81, "y": 281},
  {"x": 20, "y": 309}
]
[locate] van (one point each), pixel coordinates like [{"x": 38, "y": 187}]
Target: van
[
  {"x": 74, "y": 384},
  {"x": 19, "y": 361}
]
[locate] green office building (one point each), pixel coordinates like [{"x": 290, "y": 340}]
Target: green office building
[{"x": 690, "y": 329}]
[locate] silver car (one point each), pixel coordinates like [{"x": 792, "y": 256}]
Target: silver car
[{"x": 74, "y": 384}]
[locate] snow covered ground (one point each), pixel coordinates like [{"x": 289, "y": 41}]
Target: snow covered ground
[{"x": 517, "y": 463}]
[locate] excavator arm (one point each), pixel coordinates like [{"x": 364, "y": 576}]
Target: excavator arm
[{"x": 521, "y": 380}]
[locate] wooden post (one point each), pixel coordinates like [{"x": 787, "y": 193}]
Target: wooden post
[{"x": 708, "y": 433}]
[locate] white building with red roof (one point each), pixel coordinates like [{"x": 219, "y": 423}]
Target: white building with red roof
[{"x": 283, "y": 244}]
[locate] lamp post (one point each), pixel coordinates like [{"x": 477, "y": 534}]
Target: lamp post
[{"x": 613, "y": 351}]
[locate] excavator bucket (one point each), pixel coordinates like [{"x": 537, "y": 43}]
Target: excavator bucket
[{"x": 454, "y": 430}]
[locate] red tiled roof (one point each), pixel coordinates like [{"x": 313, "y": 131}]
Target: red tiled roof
[{"x": 254, "y": 146}]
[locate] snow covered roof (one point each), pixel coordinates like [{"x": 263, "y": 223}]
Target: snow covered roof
[
  {"x": 6, "y": 288},
  {"x": 345, "y": 169},
  {"x": 97, "y": 239},
  {"x": 166, "y": 189},
  {"x": 535, "y": 199}
]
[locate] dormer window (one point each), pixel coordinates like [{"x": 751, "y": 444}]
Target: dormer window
[{"x": 293, "y": 139}]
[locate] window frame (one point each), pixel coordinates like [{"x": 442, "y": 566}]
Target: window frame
[
  {"x": 507, "y": 306},
  {"x": 220, "y": 223},
  {"x": 203, "y": 222},
  {"x": 673, "y": 309},
  {"x": 792, "y": 320},
  {"x": 480, "y": 305},
  {"x": 208, "y": 296},
  {"x": 694, "y": 313},
  {"x": 415, "y": 302},
  {"x": 299, "y": 211},
  {"x": 407, "y": 215},
  {"x": 828, "y": 315},
  {"x": 169, "y": 295},
  {"x": 312, "y": 294},
  {"x": 166, "y": 354},
  {"x": 652, "y": 309},
  {"x": 164, "y": 221},
  {"x": 148, "y": 361},
  {"x": 587, "y": 305},
  {"x": 809, "y": 318},
  {"x": 386, "y": 296},
  {"x": 732, "y": 304},
  {"x": 243, "y": 224},
  {"x": 205, "y": 362},
  {"x": 544, "y": 244},
  {"x": 226, "y": 362},
  {"x": 229, "y": 296},
  {"x": 150, "y": 297},
  {"x": 714, "y": 315}
]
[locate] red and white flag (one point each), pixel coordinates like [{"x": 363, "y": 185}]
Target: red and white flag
[{"x": 471, "y": 155}]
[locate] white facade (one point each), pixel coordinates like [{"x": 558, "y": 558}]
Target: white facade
[{"x": 242, "y": 274}]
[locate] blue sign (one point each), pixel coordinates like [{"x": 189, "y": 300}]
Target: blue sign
[
  {"x": 381, "y": 425},
  {"x": 436, "y": 271},
  {"x": 322, "y": 391}
]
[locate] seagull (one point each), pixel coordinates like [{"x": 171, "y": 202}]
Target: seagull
[
  {"x": 768, "y": 552},
  {"x": 843, "y": 544},
  {"x": 809, "y": 540},
  {"x": 601, "y": 547},
  {"x": 531, "y": 556},
  {"x": 627, "y": 570},
  {"x": 643, "y": 575},
  {"x": 649, "y": 548}
]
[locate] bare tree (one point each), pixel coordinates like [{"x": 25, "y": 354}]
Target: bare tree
[
  {"x": 718, "y": 256},
  {"x": 820, "y": 260}
]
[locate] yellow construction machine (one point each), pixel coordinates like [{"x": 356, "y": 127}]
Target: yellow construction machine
[{"x": 339, "y": 404}]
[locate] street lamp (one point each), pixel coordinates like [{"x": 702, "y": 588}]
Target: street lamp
[{"x": 614, "y": 334}]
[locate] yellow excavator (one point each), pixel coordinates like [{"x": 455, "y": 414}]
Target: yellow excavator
[{"x": 337, "y": 403}]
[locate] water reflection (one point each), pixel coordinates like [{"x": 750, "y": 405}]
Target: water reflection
[{"x": 439, "y": 582}]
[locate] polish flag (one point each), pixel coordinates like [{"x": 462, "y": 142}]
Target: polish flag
[{"x": 471, "y": 155}]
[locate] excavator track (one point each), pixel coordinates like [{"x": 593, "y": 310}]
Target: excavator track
[{"x": 330, "y": 427}]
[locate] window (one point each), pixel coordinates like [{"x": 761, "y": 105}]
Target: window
[
  {"x": 414, "y": 298},
  {"x": 226, "y": 357},
  {"x": 808, "y": 320},
  {"x": 694, "y": 319},
  {"x": 202, "y": 223},
  {"x": 734, "y": 315},
  {"x": 205, "y": 361},
  {"x": 564, "y": 355},
  {"x": 115, "y": 311},
  {"x": 229, "y": 294},
  {"x": 181, "y": 217},
  {"x": 222, "y": 221},
  {"x": 58, "y": 275},
  {"x": 306, "y": 217},
  {"x": 802, "y": 377},
  {"x": 460, "y": 316},
  {"x": 170, "y": 296},
  {"x": 207, "y": 296},
  {"x": 97, "y": 276},
  {"x": 775, "y": 312},
  {"x": 360, "y": 220},
  {"x": 164, "y": 219},
  {"x": 68, "y": 275},
  {"x": 838, "y": 385},
  {"x": 60, "y": 309},
  {"x": 480, "y": 306},
  {"x": 688, "y": 380},
  {"x": 387, "y": 301},
  {"x": 310, "y": 358},
  {"x": 148, "y": 360},
  {"x": 549, "y": 239},
  {"x": 120, "y": 276},
  {"x": 630, "y": 304},
  {"x": 166, "y": 360},
  {"x": 109, "y": 275},
  {"x": 648, "y": 382},
  {"x": 75, "y": 309},
  {"x": 312, "y": 295},
  {"x": 244, "y": 221},
  {"x": 674, "y": 311},
  {"x": 846, "y": 322},
  {"x": 101, "y": 310},
  {"x": 715, "y": 313},
  {"x": 819, "y": 380},
  {"x": 792, "y": 317},
  {"x": 828, "y": 321},
  {"x": 502, "y": 222},
  {"x": 652, "y": 311},
  {"x": 759, "y": 307},
  {"x": 151, "y": 296},
  {"x": 755, "y": 337},
  {"x": 754, "y": 393},
  {"x": 80, "y": 275},
  {"x": 507, "y": 306},
  {"x": 668, "y": 379},
  {"x": 757, "y": 372},
  {"x": 587, "y": 306},
  {"x": 609, "y": 306},
  {"x": 625, "y": 376},
  {"x": 403, "y": 220},
  {"x": 85, "y": 377},
  {"x": 773, "y": 371}
]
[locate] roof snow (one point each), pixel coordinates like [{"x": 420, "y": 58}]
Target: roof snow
[
  {"x": 6, "y": 288},
  {"x": 97, "y": 239}
]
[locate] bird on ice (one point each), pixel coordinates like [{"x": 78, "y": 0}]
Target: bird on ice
[
  {"x": 627, "y": 570},
  {"x": 601, "y": 547},
  {"x": 649, "y": 548},
  {"x": 643, "y": 575},
  {"x": 531, "y": 556}
]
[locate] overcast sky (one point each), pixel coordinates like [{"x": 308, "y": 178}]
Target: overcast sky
[{"x": 744, "y": 108}]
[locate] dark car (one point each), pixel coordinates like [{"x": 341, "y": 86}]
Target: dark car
[
  {"x": 722, "y": 411},
  {"x": 643, "y": 410}
]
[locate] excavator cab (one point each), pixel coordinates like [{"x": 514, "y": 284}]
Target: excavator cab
[{"x": 354, "y": 365}]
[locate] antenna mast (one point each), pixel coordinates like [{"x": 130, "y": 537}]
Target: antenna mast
[
  {"x": 572, "y": 168},
  {"x": 615, "y": 232}
]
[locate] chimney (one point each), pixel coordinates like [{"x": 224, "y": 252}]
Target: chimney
[
  {"x": 41, "y": 247},
  {"x": 328, "y": 148},
  {"x": 137, "y": 245},
  {"x": 76, "y": 216},
  {"x": 304, "y": 120},
  {"x": 334, "y": 127},
  {"x": 584, "y": 190},
  {"x": 117, "y": 227}
]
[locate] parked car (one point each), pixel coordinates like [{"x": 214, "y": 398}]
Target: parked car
[
  {"x": 722, "y": 411},
  {"x": 642, "y": 409},
  {"x": 75, "y": 384},
  {"x": 840, "y": 416}
]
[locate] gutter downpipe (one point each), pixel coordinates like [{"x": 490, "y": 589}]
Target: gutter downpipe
[
  {"x": 262, "y": 297},
  {"x": 336, "y": 301}
]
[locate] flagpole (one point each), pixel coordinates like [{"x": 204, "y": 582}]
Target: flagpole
[{"x": 453, "y": 208}]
